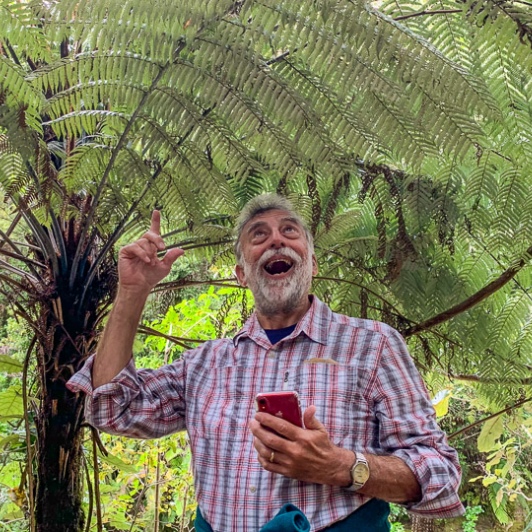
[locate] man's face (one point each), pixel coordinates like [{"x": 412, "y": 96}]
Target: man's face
[{"x": 276, "y": 263}]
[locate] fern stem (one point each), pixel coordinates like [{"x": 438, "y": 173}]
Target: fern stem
[
  {"x": 90, "y": 494},
  {"x": 425, "y": 12},
  {"x": 95, "y": 439},
  {"x": 337, "y": 280},
  {"x": 170, "y": 338},
  {"x": 177, "y": 285},
  {"x": 110, "y": 164},
  {"x": 12, "y": 52},
  {"x": 471, "y": 301},
  {"x": 476, "y": 378},
  {"x": 117, "y": 233},
  {"x": 22, "y": 258}
]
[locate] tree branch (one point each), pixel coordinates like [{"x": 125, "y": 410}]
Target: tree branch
[
  {"x": 471, "y": 301},
  {"x": 503, "y": 411},
  {"x": 175, "y": 285},
  {"x": 174, "y": 339},
  {"x": 425, "y": 12},
  {"x": 476, "y": 378},
  {"x": 90, "y": 494},
  {"x": 95, "y": 439}
]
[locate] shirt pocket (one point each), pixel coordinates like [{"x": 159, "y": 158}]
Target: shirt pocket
[
  {"x": 337, "y": 392},
  {"x": 222, "y": 403}
]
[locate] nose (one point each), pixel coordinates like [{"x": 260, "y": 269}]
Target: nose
[{"x": 276, "y": 239}]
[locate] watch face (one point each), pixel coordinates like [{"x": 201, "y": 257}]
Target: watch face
[{"x": 360, "y": 473}]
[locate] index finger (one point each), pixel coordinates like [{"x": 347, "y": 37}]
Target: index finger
[
  {"x": 282, "y": 427},
  {"x": 155, "y": 225}
]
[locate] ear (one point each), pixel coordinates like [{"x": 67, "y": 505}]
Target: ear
[
  {"x": 239, "y": 272},
  {"x": 314, "y": 265}
]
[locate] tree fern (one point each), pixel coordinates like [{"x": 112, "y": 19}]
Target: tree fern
[{"x": 400, "y": 130}]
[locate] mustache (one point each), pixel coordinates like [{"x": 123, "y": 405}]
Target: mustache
[{"x": 285, "y": 252}]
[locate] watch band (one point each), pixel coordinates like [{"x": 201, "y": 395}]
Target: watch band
[{"x": 359, "y": 472}]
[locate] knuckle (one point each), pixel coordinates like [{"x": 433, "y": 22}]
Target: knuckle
[{"x": 283, "y": 428}]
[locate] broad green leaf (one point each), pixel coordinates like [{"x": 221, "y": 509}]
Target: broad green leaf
[
  {"x": 489, "y": 480},
  {"x": 495, "y": 460},
  {"x": 117, "y": 462},
  {"x": 11, "y": 405},
  {"x": 10, "y": 475},
  {"x": 7, "y": 442},
  {"x": 9, "y": 511},
  {"x": 9, "y": 364},
  {"x": 490, "y": 433}
]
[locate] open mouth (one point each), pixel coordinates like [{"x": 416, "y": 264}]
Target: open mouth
[{"x": 278, "y": 266}]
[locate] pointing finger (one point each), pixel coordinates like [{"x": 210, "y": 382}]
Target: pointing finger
[{"x": 155, "y": 225}]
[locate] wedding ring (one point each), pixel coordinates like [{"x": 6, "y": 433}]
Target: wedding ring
[{"x": 272, "y": 457}]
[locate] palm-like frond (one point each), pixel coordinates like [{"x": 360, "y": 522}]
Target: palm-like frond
[{"x": 197, "y": 108}]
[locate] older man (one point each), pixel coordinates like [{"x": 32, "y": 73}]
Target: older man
[{"x": 370, "y": 434}]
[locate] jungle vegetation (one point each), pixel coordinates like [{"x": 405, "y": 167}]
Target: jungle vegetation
[{"x": 402, "y": 130}]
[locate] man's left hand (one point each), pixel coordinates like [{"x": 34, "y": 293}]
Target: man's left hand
[{"x": 303, "y": 454}]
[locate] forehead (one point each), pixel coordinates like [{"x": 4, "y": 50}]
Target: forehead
[{"x": 273, "y": 217}]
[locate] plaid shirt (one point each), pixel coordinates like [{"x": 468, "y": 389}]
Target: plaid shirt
[{"x": 359, "y": 375}]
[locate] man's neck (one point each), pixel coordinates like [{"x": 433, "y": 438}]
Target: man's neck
[{"x": 281, "y": 320}]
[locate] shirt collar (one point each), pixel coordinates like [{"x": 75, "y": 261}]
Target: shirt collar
[{"x": 315, "y": 324}]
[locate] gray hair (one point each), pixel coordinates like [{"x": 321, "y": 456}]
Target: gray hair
[{"x": 259, "y": 205}]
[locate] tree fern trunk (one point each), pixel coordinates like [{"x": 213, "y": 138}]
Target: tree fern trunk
[
  {"x": 59, "y": 487},
  {"x": 59, "y": 434},
  {"x": 66, "y": 333}
]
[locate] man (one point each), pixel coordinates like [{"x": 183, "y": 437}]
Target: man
[{"x": 370, "y": 434}]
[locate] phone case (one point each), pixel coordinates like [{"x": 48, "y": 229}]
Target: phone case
[{"x": 281, "y": 404}]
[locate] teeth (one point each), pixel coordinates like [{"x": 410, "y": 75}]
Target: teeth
[{"x": 278, "y": 266}]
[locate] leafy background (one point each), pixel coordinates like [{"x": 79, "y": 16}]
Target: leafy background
[{"x": 400, "y": 129}]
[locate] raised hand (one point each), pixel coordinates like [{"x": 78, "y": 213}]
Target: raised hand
[{"x": 139, "y": 268}]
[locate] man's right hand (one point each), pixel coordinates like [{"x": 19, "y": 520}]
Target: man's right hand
[{"x": 139, "y": 268}]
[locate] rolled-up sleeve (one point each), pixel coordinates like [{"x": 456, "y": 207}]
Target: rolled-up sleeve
[
  {"x": 408, "y": 430},
  {"x": 136, "y": 403}
]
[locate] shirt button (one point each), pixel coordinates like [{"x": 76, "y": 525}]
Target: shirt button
[
  {"x": 253, "y": 489},
  {"x": 272, "y": 353}
]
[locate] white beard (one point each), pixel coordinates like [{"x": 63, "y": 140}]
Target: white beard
[{"x": 279, "y": 296}]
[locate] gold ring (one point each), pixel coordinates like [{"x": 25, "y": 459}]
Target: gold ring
[{"x": 272, "y": 457}]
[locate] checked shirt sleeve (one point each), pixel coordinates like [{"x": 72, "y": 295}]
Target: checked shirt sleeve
[
  {"x": 408, "y": 430},
  {"x": 136, "y": 403}
]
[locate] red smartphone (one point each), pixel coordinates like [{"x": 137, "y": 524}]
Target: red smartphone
[{"x": 281, "y": 404}]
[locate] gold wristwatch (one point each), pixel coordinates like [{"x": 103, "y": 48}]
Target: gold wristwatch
[{"x": 359, "y": 472}]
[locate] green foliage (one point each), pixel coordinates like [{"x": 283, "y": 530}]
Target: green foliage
[
  {"x": 401, "y": 130},
  {"x": 214, "y": 313},
  {"x": 471, "y": 518},
  {"x": 134, "y": 472},
  {"x": 398, "y": 516},
  {"x": 497, "y": 462},
  {"x": 417, "y": 198}
]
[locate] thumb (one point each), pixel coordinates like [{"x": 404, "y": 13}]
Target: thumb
[
  {"x": 172, "y": 255},
  {"x": 310, "y": 419}
]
